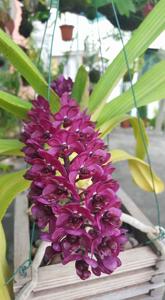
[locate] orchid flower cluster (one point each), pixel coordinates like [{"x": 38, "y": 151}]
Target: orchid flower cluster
[{"x": 72, "y": 193}]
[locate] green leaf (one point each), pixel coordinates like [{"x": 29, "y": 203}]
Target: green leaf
[
  {"x": 147, "y": 32},
  {"x": 10, "y": 186},
  {"x": 125, "y": 7},
  {"x": 149, "y": 88},
  {"x": 141, "y": 137},
  {"x": 11, "y": 147},
  {"x": 28, "y": 70},
  {"x": 140, "y": 171},
  {"x": 5, "y": 167},
  {"x": 80, "y": 86},
  {"x": 108, "y": 126},
  {"x": 14, "y": 105},
  {"x": 4, "y": 268},
  {"x": 138, "y": 129}
]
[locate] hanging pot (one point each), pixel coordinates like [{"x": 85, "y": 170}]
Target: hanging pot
[
  {"x": 66, "y": 32},
  {"x": 94, "y": 75}
]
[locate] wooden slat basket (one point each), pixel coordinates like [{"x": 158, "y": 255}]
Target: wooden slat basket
[{"x": 141, "y": 276}]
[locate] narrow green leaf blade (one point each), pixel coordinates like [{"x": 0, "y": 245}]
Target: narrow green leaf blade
[
  {"x": 147, "y": 32},
  {"x": 141, "y": 137},
  {"x": 149, "y": 88},
  {"x": 108, "y": 126},
  {"x": 80, "y": 85},
  {"x": 139, "y": 131},
  {"x": 14, "y": 105},
  {"x": 28, "y": 70},
  {"x": 11, "y": 147},
  {"x": 140, "y": 171},
  {"x": 10, "y": 186},
  {"x": 4, "y": 268}
]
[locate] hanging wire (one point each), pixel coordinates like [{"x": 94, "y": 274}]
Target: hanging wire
[
  {"x": 100, "y": 47},
  {"x": 77, "y": 39},
  {"x": 22, "y": 269},
  {"x": 56, "y": 4},
  {"x": 138, "y": 117},
  {"x": 42, "y": 44},
  {"x": 43, "y": 40}
]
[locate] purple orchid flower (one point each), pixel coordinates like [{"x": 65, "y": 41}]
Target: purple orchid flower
[
  {"x": 62, "y": 85},
  {"x": 64, "y": 144},
  {"x": 62, "y": 149},
  {"x": 66, "y": 116}
]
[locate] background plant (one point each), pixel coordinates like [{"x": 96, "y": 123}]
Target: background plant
[{"x": 10, "y": 81}]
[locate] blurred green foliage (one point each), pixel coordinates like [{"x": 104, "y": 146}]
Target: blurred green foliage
[{"x": 10, "y": 82}]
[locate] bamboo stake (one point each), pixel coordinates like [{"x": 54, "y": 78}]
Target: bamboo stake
[
  {"x": 139, "y": 225},
  {"x": 153, "y": 233}
]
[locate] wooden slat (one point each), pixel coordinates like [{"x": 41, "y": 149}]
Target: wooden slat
[
  {"x": 59, "y": 275},
  {"x": 95, "y": 287},
  {"x": 147, "y": 297},
  {"x": 160, "y": 265},
  {"x": 21, "y": 236},
  {"x": 157, "y": 292},
  {"x": 141, "y": 297},
  {"x": 158, "y": 278},
  {"x": 135, "y": 291}
]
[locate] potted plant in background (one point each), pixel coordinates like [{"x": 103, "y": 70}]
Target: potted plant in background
[
  {"x": 37, "y": 11},
  {"x": 92, "y": 61},
  {"x": 106, "y": 116},
  {"x": 130, "y": 13}
]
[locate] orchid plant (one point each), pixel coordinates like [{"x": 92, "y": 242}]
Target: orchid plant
[{"x": 71, "y": 189}]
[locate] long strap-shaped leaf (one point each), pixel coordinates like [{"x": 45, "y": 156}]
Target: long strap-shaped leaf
[
  {"x": 149, "y": 88},
  {"x": 141, "y": 137},
  {"x": 11, "y": 147},
  {"x": 140, "y": 171},
  {"x": 14, "y": 105},
  {"x": 80, "y": 90},
  {"x": 140, "y": 133},
  {"x": 10, "y": 186},
  {"x": 151, "y": 27},
  {"x": 112, "y": 123},
  {"x": 24, "y": 65},
  {"x": 4, "y": 268}
]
